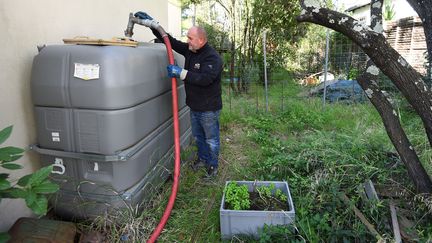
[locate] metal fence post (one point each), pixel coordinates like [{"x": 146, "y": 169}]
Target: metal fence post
[
  {"x": 326, "y": 67},
  {"x": 265, "y": 68}
]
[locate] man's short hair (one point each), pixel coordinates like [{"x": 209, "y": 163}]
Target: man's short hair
[{"x": 202, "y": 33}]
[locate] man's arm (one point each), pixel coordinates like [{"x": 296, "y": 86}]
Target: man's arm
[{"x": 177, "y": 45}]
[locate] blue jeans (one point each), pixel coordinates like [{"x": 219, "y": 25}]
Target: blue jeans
[{"x": 205, "y": 129}]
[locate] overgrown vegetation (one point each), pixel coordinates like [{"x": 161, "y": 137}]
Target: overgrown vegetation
[{"x": 322, "y": 153}]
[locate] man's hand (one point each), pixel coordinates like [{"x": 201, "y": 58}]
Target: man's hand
[
  {"x": 143, "y": 15},
  {"x": 146, "y": 20},
  {"x": 176, "y": 72}
]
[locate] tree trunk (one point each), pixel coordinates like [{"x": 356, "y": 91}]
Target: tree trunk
[{"x": 396, "y": 133}]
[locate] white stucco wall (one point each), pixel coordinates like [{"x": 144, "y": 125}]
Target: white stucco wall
[
  {"x": 24, "y": 24},
  {"x": 363, "y": 14},
  {"x": 174, "y": 16},
  {"x": 402, "y": 9}
]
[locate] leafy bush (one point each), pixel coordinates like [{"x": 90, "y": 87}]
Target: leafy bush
[{"x": 33, "y": 188}]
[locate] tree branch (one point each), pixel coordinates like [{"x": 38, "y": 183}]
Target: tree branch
[
  {"x": 391, "y": 63},
  {"x": 363, "y": 36}
]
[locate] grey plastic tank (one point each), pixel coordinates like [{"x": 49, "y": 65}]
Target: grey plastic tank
[
  {"x": 102, "y": 131},
  {"x": 120, "y": 104},
  {"x": 114, "y": 173},
  {"x": 99, "y": 77},
  {"x": 104, "y": 121}
]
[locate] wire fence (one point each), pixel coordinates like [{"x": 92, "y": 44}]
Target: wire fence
[{"x": 345, "y": 62}]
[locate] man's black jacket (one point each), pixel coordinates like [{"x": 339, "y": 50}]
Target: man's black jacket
[{"x": 203, "y": 79}]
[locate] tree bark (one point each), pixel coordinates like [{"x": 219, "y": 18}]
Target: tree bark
[
  {"x": 396, "y": 68},
  {"x": 389, "y": 61},
  {"x": 396, "y": 133}
]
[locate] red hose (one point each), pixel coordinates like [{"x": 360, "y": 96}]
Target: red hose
[{"x": 174, "y": 188}]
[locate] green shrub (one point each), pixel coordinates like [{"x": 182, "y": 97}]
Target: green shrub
[{"x": 33, "y": 188}]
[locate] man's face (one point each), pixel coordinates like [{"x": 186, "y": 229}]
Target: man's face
[{"x": 194, "y": 41}]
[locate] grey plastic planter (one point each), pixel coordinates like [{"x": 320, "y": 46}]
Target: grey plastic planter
[{"x": 248, "y": 222}]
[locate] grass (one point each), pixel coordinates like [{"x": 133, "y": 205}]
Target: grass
[{"x": 322, "y": 153}]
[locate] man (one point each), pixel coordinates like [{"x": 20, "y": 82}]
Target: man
[{"x": 202, "y": 78}]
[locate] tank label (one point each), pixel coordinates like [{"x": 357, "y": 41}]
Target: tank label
[
  {"x": 86, "y": 71},
  {"x": 55, "y": 136}
]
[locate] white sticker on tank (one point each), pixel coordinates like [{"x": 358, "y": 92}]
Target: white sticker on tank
[
  {"x": 96, "y": 166},
  {"x": 55, "y": 136},
  {"x": 86, "y": 71}
]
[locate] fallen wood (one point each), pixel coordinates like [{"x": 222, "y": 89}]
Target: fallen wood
[
  {"x": 407, "y": 227},
  {"x": 370, "y": 190},
  {"x": 395, "y": 223},
  {"x": 362, "y": 218}
]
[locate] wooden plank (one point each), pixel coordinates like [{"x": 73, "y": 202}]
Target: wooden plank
[
  {"x": 115, "y": 41},
  {"x": 360, "y": 215},
  {"x": 395, "y": 223},
  {"x": 370, "y": 190}
]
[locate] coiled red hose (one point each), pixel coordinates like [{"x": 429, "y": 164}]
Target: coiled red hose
[{"x": 174, "y": 188}]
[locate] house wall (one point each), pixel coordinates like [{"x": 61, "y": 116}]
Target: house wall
[
  {"x": 174, "y": 18},
  {"x": 24, "y": 25},
  {"x": 407, "y": 37},
  {"x": 363, "y": 14},
  {"x": 402, "y": 9}
]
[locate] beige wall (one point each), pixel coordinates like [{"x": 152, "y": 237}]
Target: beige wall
[
  {"x": 174, "y": 16},
  {"x": 24, "y": 24}
]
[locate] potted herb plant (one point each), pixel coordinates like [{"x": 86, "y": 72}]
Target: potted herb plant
[{"x": 248, "y": 205}]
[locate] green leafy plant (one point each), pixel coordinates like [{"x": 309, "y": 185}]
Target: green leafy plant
[
  {"x": 33, "y": 188},
  {"x": 265, "y": 191},
  {"x": 269, "y": 198},
  {"x": 389, "y": 12},
  {"x": 353, "y": 73},
  {"x": 237, "y": 196},
  {"x": 280, "y": 195}
]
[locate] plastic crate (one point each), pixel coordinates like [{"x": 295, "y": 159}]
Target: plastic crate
[{"x": 249, "y": 222}]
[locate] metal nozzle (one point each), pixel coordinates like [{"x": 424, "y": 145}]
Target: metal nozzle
[
  {"x": 145, "y": 22},
  {"x": 129, "y": 30}
]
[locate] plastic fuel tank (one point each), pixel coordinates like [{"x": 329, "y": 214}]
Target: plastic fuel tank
[{"x": 104, "y": 121}]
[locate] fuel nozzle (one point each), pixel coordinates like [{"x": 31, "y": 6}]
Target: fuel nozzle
[
  {"x": 146, "y": 22},
  {"x": 129, "y": 30}
]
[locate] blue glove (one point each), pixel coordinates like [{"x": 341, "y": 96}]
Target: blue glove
[
  {"x": 143, "y": 15},
  {"x": 174, "y": 71}
]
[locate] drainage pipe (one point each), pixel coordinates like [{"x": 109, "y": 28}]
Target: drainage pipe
[{"x": 129, "y": 32}]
